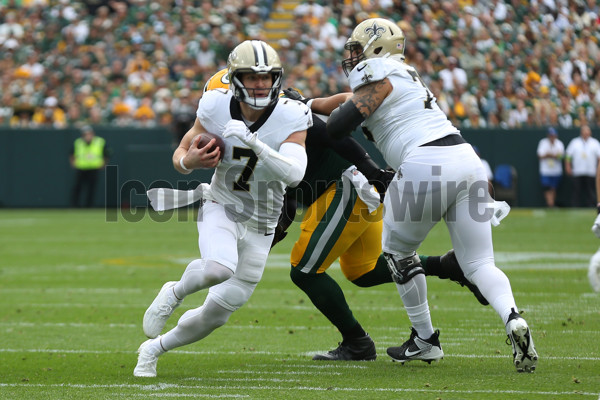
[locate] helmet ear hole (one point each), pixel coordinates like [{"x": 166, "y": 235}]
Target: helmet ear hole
[{"x": 377, "y": 50}]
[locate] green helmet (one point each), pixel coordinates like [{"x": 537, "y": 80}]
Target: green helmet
[{"x": 372, "y": 38}]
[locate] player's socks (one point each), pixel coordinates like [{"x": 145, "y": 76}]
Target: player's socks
[
  {"x": 327, "y": 296},
  {"x": 378, "y": 275},
  {"x": 430, "y": 264},
  {"x": 354, "y": 332}
]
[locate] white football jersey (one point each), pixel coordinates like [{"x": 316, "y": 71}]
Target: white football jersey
[
  {"x": 249, "y": 195},
  {"x": 408, "y": 117}
]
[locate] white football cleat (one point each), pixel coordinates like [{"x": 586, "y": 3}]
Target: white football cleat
[
  {"x": 524, "y": 354},
  {"x": 160, "y": 310},
  {"x": 415, "y": 348},
  {"x": 148, "y": 354}
]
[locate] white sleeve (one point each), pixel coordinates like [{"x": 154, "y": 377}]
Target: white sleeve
[{"x": 287, "y": 164}]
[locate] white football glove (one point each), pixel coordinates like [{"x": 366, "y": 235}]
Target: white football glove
[
  {"x": 501, "y": 210},
  {"x": 237, "y": 129},
  {"x": 596, "y": 226}
]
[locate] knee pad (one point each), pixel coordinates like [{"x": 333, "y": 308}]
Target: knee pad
[
  {"x": 216, "y": 273},
  {"x": 403, "y": 269},
  {"x": 232, "y": 294},
  {"x": 210, "y": 316},
  {"x": 202, "y": 273}
]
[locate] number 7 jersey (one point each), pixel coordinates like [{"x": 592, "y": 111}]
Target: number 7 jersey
[
  {"x": 249, "y": 193},
  {"x": 408, "y": 117}
]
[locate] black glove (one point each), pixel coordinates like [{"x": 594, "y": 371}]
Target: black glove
[
  {"x": 294, "y": 94},
  {"x": 288, "y": 212},
  {"x": 279, "y": 235},
  {"x": 378, "y": 177},
  {"x": 382, "y": 181}
]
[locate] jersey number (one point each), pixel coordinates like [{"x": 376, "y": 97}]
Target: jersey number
[
  {"x": 417, "y": 78},
  {"x": 242, "y": 182}
]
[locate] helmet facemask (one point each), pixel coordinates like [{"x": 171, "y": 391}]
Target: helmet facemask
[
  {"x": 247, "y": 95},
  {"x": 356, "y": 56},
  {"x": 255, "y": 57}
]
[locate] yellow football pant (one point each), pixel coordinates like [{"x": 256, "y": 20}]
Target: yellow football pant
[{"x": 338, "y": 225}]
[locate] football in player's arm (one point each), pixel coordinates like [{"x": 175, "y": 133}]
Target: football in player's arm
[{"x": 264, "y": 154}]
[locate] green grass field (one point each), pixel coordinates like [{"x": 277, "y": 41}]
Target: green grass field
[{"x": 74, "y": 289}]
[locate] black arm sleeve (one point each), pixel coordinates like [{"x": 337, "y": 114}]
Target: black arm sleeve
[
  {"x": 348, "y": 148},
  {"x": 343, "y": 120}
]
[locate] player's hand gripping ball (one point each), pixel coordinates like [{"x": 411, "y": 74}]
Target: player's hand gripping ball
[{"x": 206, "y": 137}]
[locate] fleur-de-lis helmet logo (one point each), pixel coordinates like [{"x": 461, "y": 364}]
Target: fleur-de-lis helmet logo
[{"x": 375, "y": 30}]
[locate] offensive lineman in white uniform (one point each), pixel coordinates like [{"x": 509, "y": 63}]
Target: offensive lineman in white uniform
[
  {"x": 264, "y": 154},
  {"x": 439, "y": 176}
]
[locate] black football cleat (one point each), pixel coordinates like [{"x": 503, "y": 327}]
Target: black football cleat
[
  {"x": 415, "y": 348},
  {"x": 361, "y": 349}
]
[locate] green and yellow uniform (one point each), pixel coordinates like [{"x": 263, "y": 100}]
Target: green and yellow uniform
[{"x": 337, "y": 223}]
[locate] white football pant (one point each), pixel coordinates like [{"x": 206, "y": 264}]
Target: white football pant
[{"x": 446, "y": 182}]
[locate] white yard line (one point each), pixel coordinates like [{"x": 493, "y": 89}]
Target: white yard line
[{"x": 158, "y": 387}]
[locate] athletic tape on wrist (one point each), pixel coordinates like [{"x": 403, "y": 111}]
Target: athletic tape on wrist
[{"x": 182, "y": 165}]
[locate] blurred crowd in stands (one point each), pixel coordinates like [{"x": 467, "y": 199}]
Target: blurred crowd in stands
[{"x": 143, "y": 63}]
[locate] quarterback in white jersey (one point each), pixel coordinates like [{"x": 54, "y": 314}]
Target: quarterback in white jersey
[
  {"x": 257, "y": 195},
  {"x": 439, "y": 176},
  {"x": 263, "y": 154}
]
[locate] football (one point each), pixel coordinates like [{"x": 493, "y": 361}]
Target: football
[{"x": 207, "y": 137}]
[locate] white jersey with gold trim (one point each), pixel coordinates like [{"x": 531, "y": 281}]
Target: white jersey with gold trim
[
  {"x": 248, "y": 193},
  {"x": 408, "y": 117}
]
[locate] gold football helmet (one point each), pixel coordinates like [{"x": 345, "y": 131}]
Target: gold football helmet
[
  {"x": 220, "y": 80},
  {"x": 258, "y": 57},
  {"x": 372, "y": 38}
]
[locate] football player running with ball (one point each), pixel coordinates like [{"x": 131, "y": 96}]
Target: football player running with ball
[
  {"x": 439, "y": 177},
  {"x": 264, "y": 154}
]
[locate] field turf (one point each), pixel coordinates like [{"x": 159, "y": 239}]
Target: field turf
[{"x": 74, "y": 288}]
